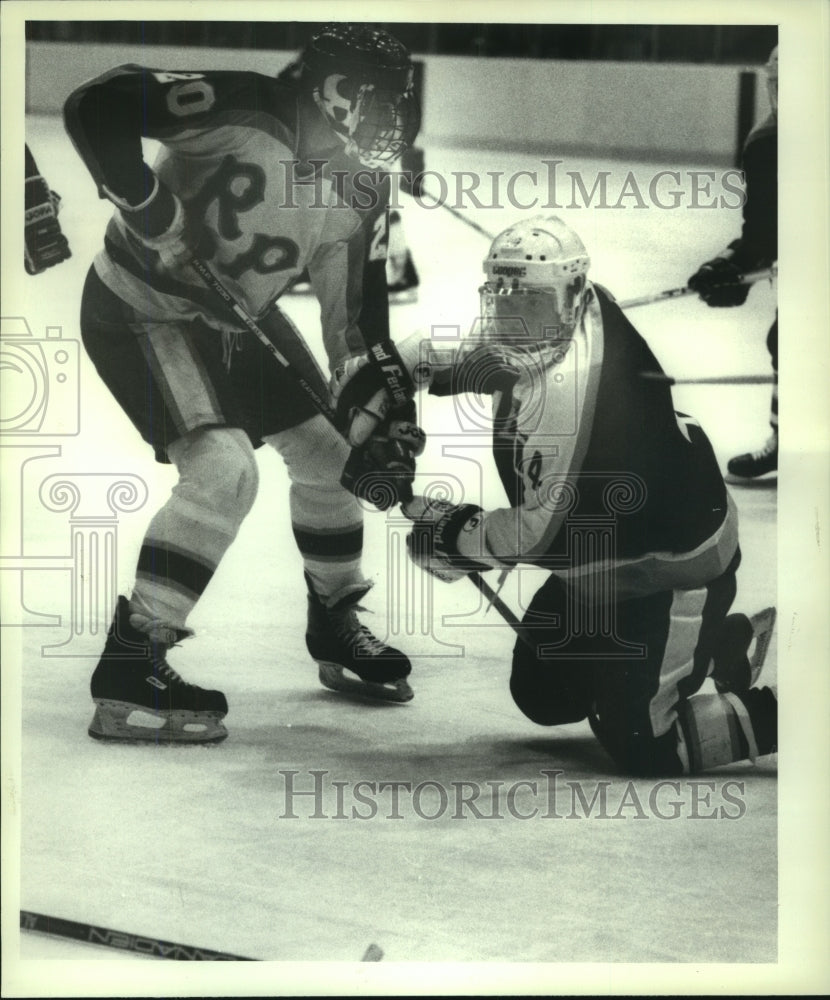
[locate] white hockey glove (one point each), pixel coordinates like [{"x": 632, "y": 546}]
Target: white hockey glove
[
  {"x": 435, "y": 542},
  {"x": 382, "y": 469},
  {"x": 159, "y": 223}
]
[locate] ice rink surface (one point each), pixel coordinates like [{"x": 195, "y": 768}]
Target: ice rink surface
[{"x": 198, "y": 845}]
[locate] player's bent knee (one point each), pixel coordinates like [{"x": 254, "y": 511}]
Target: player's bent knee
[
  {"x": 218, "y": 469},
  {"x": 547, "y": 695}
]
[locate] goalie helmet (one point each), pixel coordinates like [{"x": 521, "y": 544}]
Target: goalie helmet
[
  {"x": 536, "y": 282},
  {"x": 361, "y": 79}
]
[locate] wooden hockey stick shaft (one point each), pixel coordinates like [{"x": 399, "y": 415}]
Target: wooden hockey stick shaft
[
  {"x": 122, "y": 940},
  {"x": 212, "y": 282},
  {"x": 673, "y": 293},
  {"x": 710, "y": 380},
  {"x": 455, "y": 212},
  {"x": 643, "y": 300}
]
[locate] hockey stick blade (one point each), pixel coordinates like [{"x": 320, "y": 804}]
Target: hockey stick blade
[{"x": 122, "y": 940}]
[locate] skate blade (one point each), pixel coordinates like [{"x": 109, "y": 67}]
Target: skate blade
[
  {"x": 119, "y": 721},
  {"x": 333, "y": 677},
  {"x": 764, "y": 480},
  {"x": 762, "y": 626}
]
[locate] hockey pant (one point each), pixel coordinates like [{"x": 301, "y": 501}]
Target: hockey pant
[
  {"x": 639, "y": 686},
  {"x": 205, "y": 402}
]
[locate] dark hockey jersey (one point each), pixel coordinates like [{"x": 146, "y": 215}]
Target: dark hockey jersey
[
  {"x": 267, "y": 188},
  {"x": 601, "y": 474}
]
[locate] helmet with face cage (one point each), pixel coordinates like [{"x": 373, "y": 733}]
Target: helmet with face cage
[{"x": 361, "y": 79}]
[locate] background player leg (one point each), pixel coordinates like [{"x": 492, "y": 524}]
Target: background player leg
[
  {"x": 756, "y": 464},
  {"x": 401, "y": 276}
]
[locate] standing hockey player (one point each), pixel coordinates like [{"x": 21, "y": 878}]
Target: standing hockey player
[
  {"x": 718, "y": 280},
  {"x": 261, "y": 181},
  {"x": 632, "y": 620}
]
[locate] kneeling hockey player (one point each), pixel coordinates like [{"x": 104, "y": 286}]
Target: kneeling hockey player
[{"x": 621, "y": 498}]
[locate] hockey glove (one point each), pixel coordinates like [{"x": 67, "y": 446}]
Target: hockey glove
[
  {"x": 718, "y": 281},
  {"x": 382, "y": 469},
  {"x": 44, "y": 243},
  {"x": 366, "y": 388},
  {"x": 433, "y": 543},
  {"x": 159, "y": 224}
]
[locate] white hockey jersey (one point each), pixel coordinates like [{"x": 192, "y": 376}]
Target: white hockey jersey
[
  {"x": 268, "y": 193},
  {"x": 604, "y": 480}
]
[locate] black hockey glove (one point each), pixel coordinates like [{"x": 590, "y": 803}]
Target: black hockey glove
[
  {"x": 433, "y": 543},
  {"x": 366, "y": 388},
  {"x": 382, "y": 469},
  {"x": 44, "y": 243},
  {"x": 718, "y": 281}
]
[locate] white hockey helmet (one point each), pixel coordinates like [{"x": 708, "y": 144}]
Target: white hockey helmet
[
  {"x": 361, "y": 79},
  {"x": 771, "y": 68},
  {"x": 536, "y": 280}
]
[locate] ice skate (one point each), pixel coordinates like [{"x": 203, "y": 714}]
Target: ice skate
[
  {"x": 742, "y": 650},
  {"x": 349, "y": 657},
  {"x": 140, "y": 698},
  {"x": 754, "y": 465}
]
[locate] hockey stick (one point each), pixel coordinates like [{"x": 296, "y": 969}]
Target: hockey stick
[
  {"x": 322, "y": 405},
  {"x": 212, "y": 282},
  {"x": 122, "y": 940},
  {"x": 455, "y": 212},
  {"x": 710, "y": 380},
  {"x": 673, "y": 293}
]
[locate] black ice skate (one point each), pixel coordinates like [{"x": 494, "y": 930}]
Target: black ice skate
[
  {"x": 742, "y": 650},
  {"x": 140, "y": 698},
  {"x": 754, "y": 465},
  {"x": 349, "y": 657}
]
